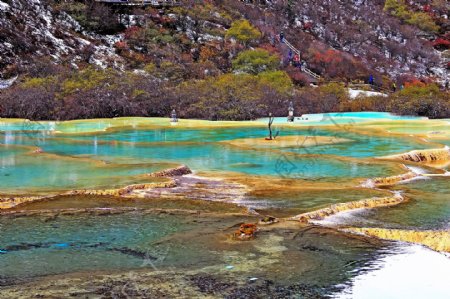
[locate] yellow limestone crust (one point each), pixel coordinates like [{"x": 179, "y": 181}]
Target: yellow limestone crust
[
  {"x": 286, "y": 141},
  {"x": 437, "y": 240},
  {"x": 10, "y": 202},
  {"x": 124, "y": 190},
  {"x": 392, "y": 180},
  {"x": 428, "y": 157},
  {"x": 352, "y": 205}
]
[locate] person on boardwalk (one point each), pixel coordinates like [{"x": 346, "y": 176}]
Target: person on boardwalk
[
  {"x": 282, "y": 37},
  {"x": 394, "y": 87},
  {"x": 371, "y": 81}
]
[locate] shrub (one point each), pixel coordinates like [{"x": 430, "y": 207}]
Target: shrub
[
  {"x": 278, "y": 80},
  {"x": 400, "y": 9},
  {"x": 45, "y": 83},
  {"x": 243, "y": 31},
  {"x": 422, "y": 100},
  {"x": 255, "y": 61},
  {"x": 84, "y": 80},
  {"x": 441, "y": 44}
]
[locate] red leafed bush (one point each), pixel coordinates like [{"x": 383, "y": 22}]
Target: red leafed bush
[
  {"x": 132, "y": 32},
  {"x": 308, "y": 26},
  {"x": 121, "y": 45},
  {"x": 441, "y": 43},
  {"x": 297, "y": 76},
  {"x": 269, "y": 48},
  {"x": 415, "y": 82},
  {"x": 330, "y": 56}
]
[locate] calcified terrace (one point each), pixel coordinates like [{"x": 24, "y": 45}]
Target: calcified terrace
[{"x": 223, "y": 173}]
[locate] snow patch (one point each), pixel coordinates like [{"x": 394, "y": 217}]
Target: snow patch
[
  {"x": 354, "y": 93},
  {"x": 4, "y": 6},
  {"x": 7, "y": 83}
]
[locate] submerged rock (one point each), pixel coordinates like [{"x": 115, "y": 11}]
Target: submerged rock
[
  {"x": 246, "y": 231},
  {"x": 268, "y": 220},
  {"x": 178, "y": 171}
]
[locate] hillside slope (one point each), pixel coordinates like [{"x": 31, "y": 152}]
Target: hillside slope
[
  {"x": 336, "y": 38},
  {"x": 221, "y": 59}
]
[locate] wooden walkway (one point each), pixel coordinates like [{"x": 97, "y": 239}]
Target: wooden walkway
[{"x": 295, "y": 50}]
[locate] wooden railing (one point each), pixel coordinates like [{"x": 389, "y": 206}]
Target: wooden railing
[{"x": 296, "y": 51}]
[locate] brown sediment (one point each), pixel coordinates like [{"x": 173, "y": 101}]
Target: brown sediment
[
  {"x": 51, "y": 214},
  {"x": 436, "y": 240},
  {"x": 260, "y": 184},
  {"x": 348, "y": 206},
  {"x": 431, "y": 157},
  {"x": 286, "y": 141}
]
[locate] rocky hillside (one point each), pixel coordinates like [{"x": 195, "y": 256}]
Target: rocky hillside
[
  {"x": 332, "y": 35},
  {"x": 32, "y": 29},
  {"x": 217, "y": 59}
]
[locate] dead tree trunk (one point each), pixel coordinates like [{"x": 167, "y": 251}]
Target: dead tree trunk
[{"x": 271, "y": 118}]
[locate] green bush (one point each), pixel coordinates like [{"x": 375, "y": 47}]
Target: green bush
[
  {"x": 255, "y": 61},
  {"x": 278, "y": 80},
  {"x": 243, "y": 31},
  {"x": 84, "y": 80},
  {"x": 425, "y": 100},
  {"x": 400, "y": 9}
]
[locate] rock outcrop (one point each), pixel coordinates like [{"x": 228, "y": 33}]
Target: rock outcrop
[{"x": 431, "y": 157}]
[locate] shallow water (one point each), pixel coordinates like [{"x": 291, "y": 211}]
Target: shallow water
[
  {"x": 199, "y": 149},
  {"x": 71, "y": 234}
]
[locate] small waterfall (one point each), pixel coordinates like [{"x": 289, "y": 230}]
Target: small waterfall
[{"x": 368, "y": 184}]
